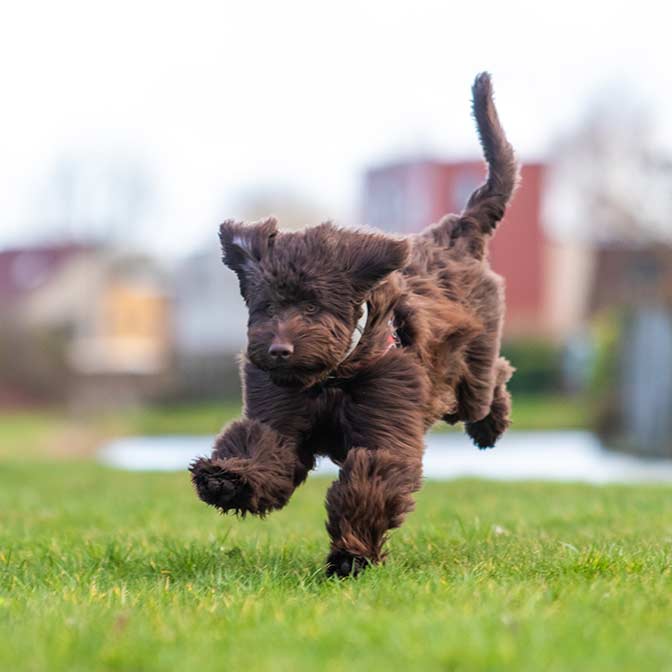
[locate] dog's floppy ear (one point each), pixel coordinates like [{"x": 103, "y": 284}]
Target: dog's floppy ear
[
  {"x": 372, "y": 256},
  {"x": 245, "y": 245}
]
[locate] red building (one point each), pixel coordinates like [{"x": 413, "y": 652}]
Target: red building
[{"x": 406, "y": 197}]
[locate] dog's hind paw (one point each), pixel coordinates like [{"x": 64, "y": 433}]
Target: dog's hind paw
[
  {"x": 484, "y": 433},
  {"x": 343, "y": 564},
  {"x": 215, "y": 485}
]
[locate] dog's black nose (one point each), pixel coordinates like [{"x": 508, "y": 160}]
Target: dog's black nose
[{"x": 281, "y": 351}]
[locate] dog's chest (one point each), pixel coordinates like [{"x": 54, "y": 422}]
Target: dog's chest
[{"x": 331, "y": 407}]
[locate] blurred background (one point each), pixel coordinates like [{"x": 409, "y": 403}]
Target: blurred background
[{"x": 129, "y": 130}]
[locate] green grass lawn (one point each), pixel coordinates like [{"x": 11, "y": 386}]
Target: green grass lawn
[{"x": 105, "y": 570}]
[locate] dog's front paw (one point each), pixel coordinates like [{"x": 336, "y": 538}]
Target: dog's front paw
[
  {"x": 215, "y": 485},
  {"x": 343, "y": 564}
]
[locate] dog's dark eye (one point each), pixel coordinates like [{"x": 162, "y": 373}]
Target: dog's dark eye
[{"x": 310, "y": 308}]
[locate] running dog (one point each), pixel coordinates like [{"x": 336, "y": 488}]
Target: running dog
[{"x": 358, "y": 342}]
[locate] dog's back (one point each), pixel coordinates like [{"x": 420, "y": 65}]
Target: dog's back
[{"x": 455, "y": 298}]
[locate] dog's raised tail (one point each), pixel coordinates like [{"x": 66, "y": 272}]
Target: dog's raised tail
[{"x": 487, "y": 204}]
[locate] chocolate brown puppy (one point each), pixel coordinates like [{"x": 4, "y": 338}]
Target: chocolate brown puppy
[{"x": 357, "y": 343}]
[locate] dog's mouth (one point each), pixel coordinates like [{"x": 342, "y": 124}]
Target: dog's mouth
[
  {"x": 298, "y": 373},
  {"x": 287, "y": 379},
  {"x": 293, "y": 374}
]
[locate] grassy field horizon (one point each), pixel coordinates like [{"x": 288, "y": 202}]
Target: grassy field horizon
[{"x": 57, "y": 433}]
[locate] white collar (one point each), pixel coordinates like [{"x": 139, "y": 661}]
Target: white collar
[{"x": 358, "y": 332}]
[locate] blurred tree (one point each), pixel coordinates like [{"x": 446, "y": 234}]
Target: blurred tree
[
  {"x": 610, "y": 180},
  {"x": 33, "y": 363},
  {"x": 94, "y": 199},
  {"x": 611, "y": 190}
]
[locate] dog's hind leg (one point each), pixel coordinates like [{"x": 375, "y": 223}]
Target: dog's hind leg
[
  {"x": 480, "y": 369},
  {"x": 253, "y": 469},
  {"x": 485, "y": 432}
]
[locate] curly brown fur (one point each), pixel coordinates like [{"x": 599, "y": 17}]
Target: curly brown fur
[{"x": 307, "y": 392}]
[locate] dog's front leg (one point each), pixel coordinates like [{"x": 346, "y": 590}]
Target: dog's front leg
[
  {"x": 253, "y": 469},
  {"x": 372, "y": 496},
  {"x": 380, "y": 473},
  {"x": 257, "y": 461}
]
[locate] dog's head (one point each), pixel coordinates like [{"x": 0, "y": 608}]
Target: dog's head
[{"x": 304, "y": 292}]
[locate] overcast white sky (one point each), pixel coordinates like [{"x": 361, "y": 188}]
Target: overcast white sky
[{"x": 215, "y": 97}]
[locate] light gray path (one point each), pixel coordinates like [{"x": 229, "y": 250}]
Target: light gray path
[{"x": 555, "y": 456}]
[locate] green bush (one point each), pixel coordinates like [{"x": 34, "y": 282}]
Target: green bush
[{"x": 538, "y": 366}]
